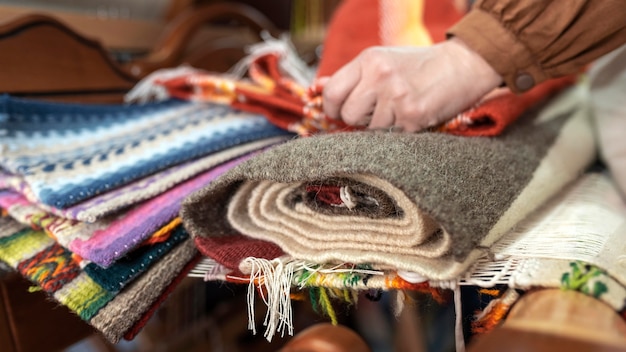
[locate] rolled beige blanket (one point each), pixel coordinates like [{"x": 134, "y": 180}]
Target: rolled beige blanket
[{"x": 428, "y": 203}]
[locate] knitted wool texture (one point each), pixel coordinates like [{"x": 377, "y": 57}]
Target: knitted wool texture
[
  {"x": 129, "y": 307},
  {"x": 86, "y": 290},
  {"x": 67, "y": 153},
  {"x": 473, "y": 189},
  {"x": 117, "y": 199},
  {"x": 131, "y": 333},
  {"x": 106, "y": 240}
]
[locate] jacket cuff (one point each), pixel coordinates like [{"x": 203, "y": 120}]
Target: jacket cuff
[{"x": 500, "y": 48}]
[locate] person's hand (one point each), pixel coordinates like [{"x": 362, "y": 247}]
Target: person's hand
[{"x": 408, "y": 87}]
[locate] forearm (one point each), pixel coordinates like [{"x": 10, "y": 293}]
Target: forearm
[{"x": 529, "y": 41}]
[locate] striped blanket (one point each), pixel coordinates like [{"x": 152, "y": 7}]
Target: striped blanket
[
  {"x": 67, "y": 153},
  {"x": 95, "y": 294}
]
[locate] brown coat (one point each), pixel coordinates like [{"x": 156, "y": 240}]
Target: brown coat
[{"x": 529, "y": 41}]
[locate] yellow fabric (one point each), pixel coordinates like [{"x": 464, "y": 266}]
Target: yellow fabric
[
  {"x": 403, "y": 23},
  {"x": 23, "y": 247}
]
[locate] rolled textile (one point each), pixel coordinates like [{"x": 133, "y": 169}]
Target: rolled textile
[{"x": 430, "y": 203}]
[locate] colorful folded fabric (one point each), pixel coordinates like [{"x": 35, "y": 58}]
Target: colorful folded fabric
[
  {"x": 67, "y": 153},
  {"x": 115, "y": 200},
  {"x": 496, "y": 111},
  {"x": 269, "y": 91},
  {"x": 300, "y": 110},
  {"x": 85, "y": 291},
  {"x": 429, "y": 203},
  {"x": 106, "y": 240}
]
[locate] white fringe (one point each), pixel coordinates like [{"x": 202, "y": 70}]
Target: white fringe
[
  {"x": 398, "y": 307},
  {"x": 573, "y": 226},
  {"x": 147, "y": 89},
  {"x": 290, "y": 64},
  {"x": 209, "y": 270},
  {"x": 273, "y": 278}
]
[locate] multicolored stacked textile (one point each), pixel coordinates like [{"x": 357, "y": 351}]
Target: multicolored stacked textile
[{"x": 91, "y": 193}]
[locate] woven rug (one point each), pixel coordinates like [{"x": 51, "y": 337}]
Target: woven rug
[
  {"x": 573, "y": 242},
  {"x": 86, "y": 290},
  {"x": 67, "y": 153},
  {"x": 106, "y": 240},
  {"x": 428, "y": 203},
  {"x": 117, "y": 199}
]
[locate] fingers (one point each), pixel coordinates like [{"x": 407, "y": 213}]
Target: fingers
[
  {"x": 383, "y": 116},
  {"x": 411, "y": 88},
  {"x": 358, "y": 108},
  {"x": 338, "y": 88}
]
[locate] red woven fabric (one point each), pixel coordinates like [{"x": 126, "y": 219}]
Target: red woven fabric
[
  {"x": 326, "y": 194},
  {"x": 229, "y": 251},
  {"x": 353, "y": 28},
  {"x": 439, "y": 16},
  {"x": 491, "y": 117},
  {"x": 278, "y": 97}
]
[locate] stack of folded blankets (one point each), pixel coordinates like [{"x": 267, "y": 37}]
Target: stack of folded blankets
[{"x": 90, "y": 196}]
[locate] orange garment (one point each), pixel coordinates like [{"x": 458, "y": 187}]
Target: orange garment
[{"x": 530, "y": 41}]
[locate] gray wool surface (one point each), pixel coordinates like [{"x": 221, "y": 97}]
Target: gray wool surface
[{"x": 465, "y": 183}]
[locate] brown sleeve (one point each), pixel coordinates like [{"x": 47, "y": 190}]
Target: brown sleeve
[{"x": 529, "y": 41}]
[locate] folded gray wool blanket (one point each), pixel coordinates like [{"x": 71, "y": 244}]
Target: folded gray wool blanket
[{"x": 429, "y": 203}]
